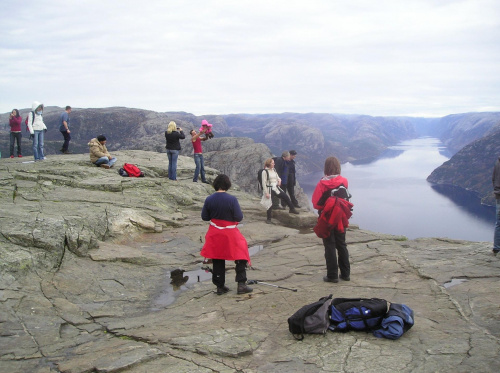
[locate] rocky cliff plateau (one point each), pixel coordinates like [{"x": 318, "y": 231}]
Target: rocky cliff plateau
[{"x": 87, "y": 263}]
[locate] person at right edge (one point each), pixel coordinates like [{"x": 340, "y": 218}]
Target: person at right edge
[
  {"x": 224, "y": 240},
  {"x": 334, "y": 213},
  {"x": 496, "y": 190}
]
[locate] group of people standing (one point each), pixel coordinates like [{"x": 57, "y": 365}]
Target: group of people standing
[
  {"x": 37, "y": 128},
  {"x": 224, "y": 241},
  {"x": 173, "y": 135}
]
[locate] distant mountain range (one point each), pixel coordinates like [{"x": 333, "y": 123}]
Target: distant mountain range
[{"x": 315, "y": 136}]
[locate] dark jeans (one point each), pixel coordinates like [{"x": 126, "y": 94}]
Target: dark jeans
[
  {"x": 67, "y": 137},
  {"x": 219, "y": 271},
  {"x": 15, "y": 136},
  {"x": 336, "y": 241},
  {"x": 291, "y": 192},
  {"x": 496, "y": 238},
  {"x": 200, "y": 167},
  {"x": 281, "y": 196}
]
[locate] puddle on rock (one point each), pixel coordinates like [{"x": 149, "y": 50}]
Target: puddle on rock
[
  {"x": 454, "y": 281},
  {"x": 179, "y": 280}
]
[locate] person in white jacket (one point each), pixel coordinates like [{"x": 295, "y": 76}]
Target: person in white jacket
[
  {"x": 271, "y": 187},
  {"x": 37, "y": 128}
]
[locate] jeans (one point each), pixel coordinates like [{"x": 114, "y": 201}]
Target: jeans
[
  {"x": 38, "y": 145},
  {"x": 336, "y": 241},
  {"x": 105, "y": 160},
  {"x": 15, "y": 136},
  {"x": 219, "y": 271},
  {"x": 200, "y": 167},
  {"x": 496, "y": 239},
  {"x": 172, "y": 163},
  {"x": 67, "y": 137}
]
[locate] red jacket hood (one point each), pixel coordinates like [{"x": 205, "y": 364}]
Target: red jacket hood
[{"x": 327, "y": 184}]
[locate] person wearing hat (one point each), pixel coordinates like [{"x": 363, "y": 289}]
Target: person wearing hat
[{"x": 99, "y": 154}]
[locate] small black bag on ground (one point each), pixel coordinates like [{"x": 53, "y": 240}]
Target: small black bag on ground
[{"x": 311, "y": 319}]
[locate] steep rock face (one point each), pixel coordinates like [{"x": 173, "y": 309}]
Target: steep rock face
[
  {"x": 458, "y": 130},
  {"x": 471, "y": 168}
]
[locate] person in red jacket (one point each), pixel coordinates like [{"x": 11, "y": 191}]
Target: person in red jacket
[
  {"x": 15, "y": 132},
  {"x": 335, "y": 240}
]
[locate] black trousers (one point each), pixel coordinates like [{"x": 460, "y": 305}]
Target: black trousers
[
  {"x": 291, "y": 192},
  {"x": 219, "y": 271},
  {"x": 67, "y": 137},
  {"x": 15, "y": 136},
  {"x": 334, "y": 244},
  {"x": 281, "y": 196}
]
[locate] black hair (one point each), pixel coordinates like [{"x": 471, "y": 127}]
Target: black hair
[
  {"x": 68, "y": 107},
  {"x": 222, "y": 182},
  {"x": 17, "y": 113},
  {"x": 101, "y": 138}
]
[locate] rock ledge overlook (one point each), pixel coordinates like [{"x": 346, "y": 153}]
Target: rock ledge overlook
[{"x": 87, "y": 264}]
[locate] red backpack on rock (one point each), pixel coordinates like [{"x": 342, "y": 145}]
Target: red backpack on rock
[{"x": 132, "y": 170}]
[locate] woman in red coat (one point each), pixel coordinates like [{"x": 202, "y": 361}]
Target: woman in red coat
[
  {"x": 224, "y": 240},
  {"x": 335, "y": 239}
]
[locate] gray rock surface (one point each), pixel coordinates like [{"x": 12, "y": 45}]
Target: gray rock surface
[{"x": 87, "y": 263}]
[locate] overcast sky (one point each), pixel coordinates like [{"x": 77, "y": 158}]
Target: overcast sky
[{"x": 385, "y": 57}]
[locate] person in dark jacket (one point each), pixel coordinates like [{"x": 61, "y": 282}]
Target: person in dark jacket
[
  {"x": 336, "y": 240},
  {"x": 173, "y": 134},
  {"x": 290, "y": 184},
  {"x": 281, "y": 167},
  {"x": 223, "y": 240},
  {"x": 496, "y": 190}
]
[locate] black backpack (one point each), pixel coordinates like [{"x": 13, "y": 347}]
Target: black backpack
[
  {"x": 259, "y": 178},
  {"x": 310, "y": 319}
]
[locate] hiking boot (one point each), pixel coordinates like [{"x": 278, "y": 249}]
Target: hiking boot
[
  {"x": 328, "y": 279},
  {"x": 68, "y": 152},
  {"x": 268, "y": 221},
  {"x": 345, "y": 278},
  {"x": 222, "y": 290},
  {"x": 106, "y": 166},
  {"x": 205, "y": 182},
  {"x": 12, "y": 156},
  {"x": 495, "y": 253},
  {"x": 297, "y": 206},
  {"x": 20, "y": 155},
  {"x": 243, "y": 288},
  {"x": 293, "y": 211}
]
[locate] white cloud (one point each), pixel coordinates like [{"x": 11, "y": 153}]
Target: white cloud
[{"x": 378, "y": 58}]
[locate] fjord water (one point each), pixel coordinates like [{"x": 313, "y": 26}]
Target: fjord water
[{"x": 391, "y": 195}]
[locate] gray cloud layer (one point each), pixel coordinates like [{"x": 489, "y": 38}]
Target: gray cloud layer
[{"x": 413, "y": 57}]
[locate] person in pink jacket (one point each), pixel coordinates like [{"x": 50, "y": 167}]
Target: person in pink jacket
[{"x": 15, "y": 132}]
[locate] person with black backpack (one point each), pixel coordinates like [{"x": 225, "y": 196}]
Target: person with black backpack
[
  {"x": 271, "y": 188},
  {"x": 325, "y": 200}
]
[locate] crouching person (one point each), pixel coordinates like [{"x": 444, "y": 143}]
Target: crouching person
[
  {"x": 99, "y": 154},
  {"x": 224, "y": 240}
]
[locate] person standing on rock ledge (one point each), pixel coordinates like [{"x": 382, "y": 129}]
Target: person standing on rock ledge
[
  {"x": 64, "y": 129},
  {"x": 99, "y": 154},
  {"x": 496, "y": 190},
  {"x": 271, "y": 188},
  {"x": 196, "y": 140},
  {"x": 173, "y": 134},
  {"x": 335, "y": 238},
  {"x": 224, "y": 240}
]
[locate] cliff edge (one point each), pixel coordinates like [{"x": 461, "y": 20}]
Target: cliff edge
[{"x": 100, "y": 273}]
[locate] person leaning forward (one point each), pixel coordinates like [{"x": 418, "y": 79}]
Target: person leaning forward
[{"x": 99, "y": 154}]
